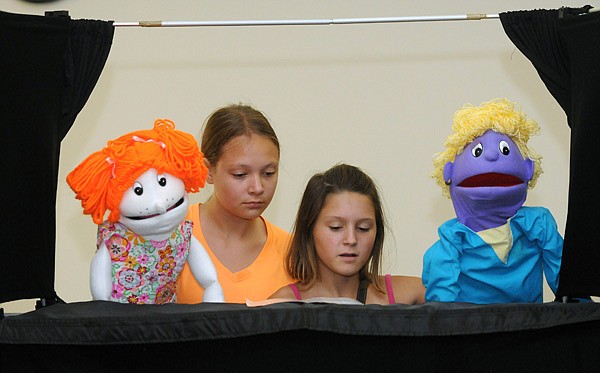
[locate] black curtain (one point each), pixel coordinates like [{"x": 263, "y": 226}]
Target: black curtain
[
  {"x": 564, "y": 47},
  {"x": 49, "y": 66}
]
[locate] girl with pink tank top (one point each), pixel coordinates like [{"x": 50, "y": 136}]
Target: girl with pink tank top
[{"x": 337, "y": 242}]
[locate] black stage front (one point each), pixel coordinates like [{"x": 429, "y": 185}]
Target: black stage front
[{"x": 105, "y": 336}]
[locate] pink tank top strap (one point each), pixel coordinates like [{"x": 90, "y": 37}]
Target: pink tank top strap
[
  {"x": 296, "y": 291},
  {"x": 389, "y": 288}
]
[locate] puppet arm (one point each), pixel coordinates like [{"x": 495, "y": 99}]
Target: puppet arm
[
  {"x": 551, "y": 243},
  {"x": 100, "y": 274},
  {"x": 441, "y": 268},
  {"x": 205, "y": 272}
]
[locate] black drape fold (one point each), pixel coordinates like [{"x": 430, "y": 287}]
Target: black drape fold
[
  {"x": 89, "y": 46},
  {"x": 564, "y": 47},
  {"x": 48, "y": 68},
  {"x": 536, "y": 35}
]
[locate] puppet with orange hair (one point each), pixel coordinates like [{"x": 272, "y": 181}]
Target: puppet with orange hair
[{"x": 143, "y": 179}]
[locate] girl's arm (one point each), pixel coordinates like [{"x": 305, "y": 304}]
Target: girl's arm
[
  {"x": 285, "y": 292},
  {"x": 408, "y": 289}
]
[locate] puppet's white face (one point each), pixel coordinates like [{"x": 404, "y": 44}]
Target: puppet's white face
[{"x": 154, "y": 205}]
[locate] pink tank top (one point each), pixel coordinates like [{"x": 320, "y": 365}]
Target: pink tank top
[
  {"x": 296, "y": 291},
  {"x": 388, "y": 286}
]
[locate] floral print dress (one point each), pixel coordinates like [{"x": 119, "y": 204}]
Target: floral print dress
[{"x": 144, "y": 271}]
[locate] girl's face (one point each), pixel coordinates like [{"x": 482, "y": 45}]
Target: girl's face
[
  {"x": 245, "y": 177},
  {"x": 344, "y": 233}
]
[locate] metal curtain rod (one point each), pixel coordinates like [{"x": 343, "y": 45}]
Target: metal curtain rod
[{"x": 299, "y": 22}]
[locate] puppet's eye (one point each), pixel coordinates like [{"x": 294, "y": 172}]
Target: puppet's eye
[
  {"x": 504, "y": 148},
  {"x": 477, "y": 150},
  {"x": 162, "y": 181},
  {"x": 138, "y": 189}
]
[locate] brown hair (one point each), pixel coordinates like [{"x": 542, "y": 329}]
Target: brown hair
[
  {"x": 301, "y": 258},
  {"x": 232, "y": 121}
]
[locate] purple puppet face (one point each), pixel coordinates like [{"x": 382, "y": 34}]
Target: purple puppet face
[{"x": 488, "y": 181}]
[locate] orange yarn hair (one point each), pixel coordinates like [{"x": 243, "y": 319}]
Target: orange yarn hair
[{"x": 103, "y": 177}]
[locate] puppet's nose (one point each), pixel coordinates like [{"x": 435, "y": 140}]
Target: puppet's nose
[
  {"x": 160, "y": 207},
  {"x": 491, "y": 155}
]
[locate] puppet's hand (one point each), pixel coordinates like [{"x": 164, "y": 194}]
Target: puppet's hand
[
  {"x": 205, "y": 272},
  {"x": 100, "y": 275}
]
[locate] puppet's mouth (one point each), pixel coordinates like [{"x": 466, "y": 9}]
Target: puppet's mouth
[
  {"x": 153, "y": 215},
  {"x": 490, "y": 179}
]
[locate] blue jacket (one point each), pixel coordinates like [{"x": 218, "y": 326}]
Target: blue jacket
[{"x": 461, "y": 267}]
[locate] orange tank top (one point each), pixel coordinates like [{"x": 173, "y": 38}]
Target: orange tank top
[{"x": 256, "y": 282}]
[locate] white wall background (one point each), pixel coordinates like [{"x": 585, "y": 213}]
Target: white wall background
[{"x": 379, "y": 96}]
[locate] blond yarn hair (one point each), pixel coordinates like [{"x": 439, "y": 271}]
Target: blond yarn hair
[
  {"x": 470, "y": 121},
  {"x": 103, "y": 177}
]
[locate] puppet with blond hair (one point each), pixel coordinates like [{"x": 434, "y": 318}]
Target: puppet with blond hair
[
  {"x": 496, "y": 250},
  {"x": 143, "y": 179}
]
